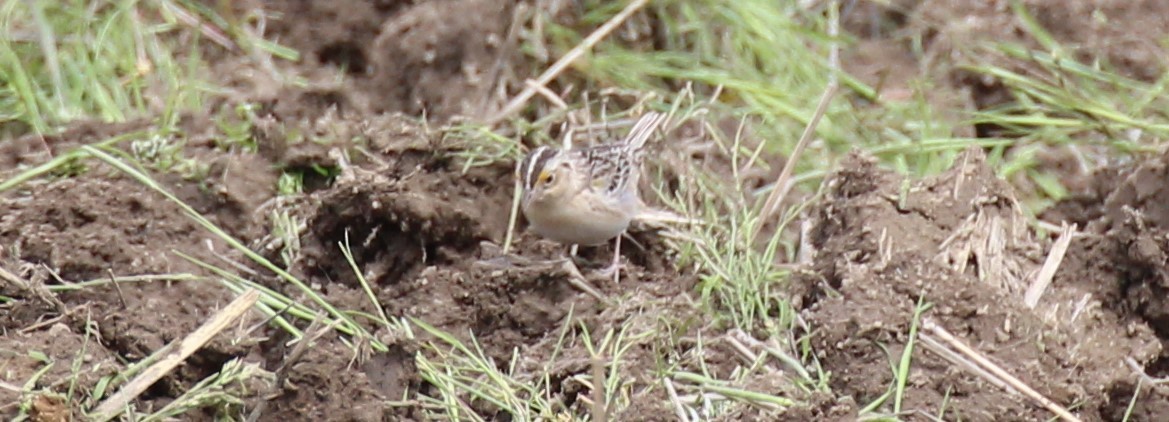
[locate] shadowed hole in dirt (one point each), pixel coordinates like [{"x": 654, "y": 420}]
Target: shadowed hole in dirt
[
  {"x": 415, "y": 226},
  {"x": 317, "y": 102},
  {"x": 346, "y": 55},
  {"x": 1158, "y": 368},
  {"x": 391, "y": 229},
  {"x": 874, "y": 20}
]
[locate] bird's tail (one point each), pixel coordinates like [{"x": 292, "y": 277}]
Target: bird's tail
[
  {"x": 660, "y": 216},
  {"x": 643, "y": 129}
]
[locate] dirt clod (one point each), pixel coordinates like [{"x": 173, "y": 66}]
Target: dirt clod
[{"x": 956, "y": 242}]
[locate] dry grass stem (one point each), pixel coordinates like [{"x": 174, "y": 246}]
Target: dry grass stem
[
  {"x": 1050, "y": 266},
  {"x": 783, "y": 182},
  {"x": 176, "y": 353},
  {"x": 997, "y": 371},
  {"x": 547, "y": 94},
  {"x": 679, "y": 410},
  {"x": 36, "y": 289},
  {"x": 576, "y": 279},
  {"x": 553, "y": 71},
  {"x": 933, "y": 345},
  {"x": 600, "y": 404}
]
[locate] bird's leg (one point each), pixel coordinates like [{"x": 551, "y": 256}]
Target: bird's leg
[
  {"x": 617, "y": 261},
  {"x": 615, "y": 267}
]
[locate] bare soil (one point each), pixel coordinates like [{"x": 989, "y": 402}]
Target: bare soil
[
  {"x": 959, "y": 242},
  {"x": 417, "y": 224}
]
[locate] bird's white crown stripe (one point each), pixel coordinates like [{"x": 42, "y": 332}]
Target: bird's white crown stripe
[{"x": 536, "y": 159}]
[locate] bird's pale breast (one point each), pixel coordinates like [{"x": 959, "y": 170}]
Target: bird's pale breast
[{"x": 581, "y": 224}]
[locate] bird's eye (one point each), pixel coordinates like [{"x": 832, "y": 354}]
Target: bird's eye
[{"x": 546, "y": 177}]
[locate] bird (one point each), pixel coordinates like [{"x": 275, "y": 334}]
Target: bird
[{"x": 586, "y": 196}]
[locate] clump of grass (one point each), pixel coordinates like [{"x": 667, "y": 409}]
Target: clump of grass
[
  {"x": 470, "y": 385},
  {"x": 464, "y": 379},
  {"x": 770, "y": 62},
  {"x": 736, "y": 276},
  {"x": 477, "y": 145},
  {"x": 467, "y": 384},
  {"x": 164, "y": 153},
  {"x": 65, "y": 60},
  {"x": 236, "y": 128},
  {"x": 222, "y": 392},
  {"x": 767, "y": 58},
  {"x": 1059, "y": 102},
  {"x": 900, "y": 369},
  {"x": 110, "y": 60}
]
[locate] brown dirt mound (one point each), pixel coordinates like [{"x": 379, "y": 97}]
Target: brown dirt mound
[
  {"x": 438, "y": 58},
  {"x": 1121, "y": 259},
  {"x": 95, "y": 228},
  {"x": 60, "y": 348},
  {"x": 417, "y": 223},
  {"x": 957, "y": 241}
]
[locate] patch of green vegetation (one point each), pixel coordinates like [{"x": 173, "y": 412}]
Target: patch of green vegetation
[
  {"x": 1092, "y": 114},
  {"x": 165, "y": 153},
  {"x": 769, "y": 62},
  {"x": 116, "y": 61},
  {"x": 1059, "y": 101},
  {"x": 463, "y": 375},
  {"x": 768, "y": 59},
  {"x": 108, "y": 60},
  {"x": 290, "y": 183},
  {"x": 236, "y": 127},
  {"x": 219, "y": 392},
  {"x": 476, "y": 145}
]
